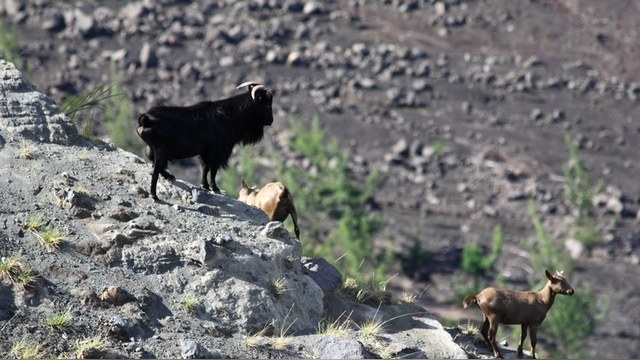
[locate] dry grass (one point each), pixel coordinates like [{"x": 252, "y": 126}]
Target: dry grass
[
  {"x": 335, "y": 328},
  {"x": 256, "y": 339},
  {"x": 278, "y": 287},
  {"x": 408, "y": 298},
  {"x": 469, "y": 328},
  {"x": 17, "y": 273},
  {"x": 25, "y": 350},
  {"x": 90, "y": 348},
  {"x": 27, "y": 152}
]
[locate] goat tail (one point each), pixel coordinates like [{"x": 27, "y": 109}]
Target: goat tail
[{"x": 468, "y": 300}]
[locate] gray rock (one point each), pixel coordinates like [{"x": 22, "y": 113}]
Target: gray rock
[
  {"x": 575, "y": 248},
  {"x": 148, "y": 57},
  {"x": 28, "y": 113},
  {"x": 54, "y": 21},
  {"x": 276, "y": 230},
  {"x": 324, "y": 274}
]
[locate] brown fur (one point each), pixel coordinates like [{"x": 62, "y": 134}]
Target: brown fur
[
  {"x": 274, "y": 199},
  {"x": 527, "y": 308}
]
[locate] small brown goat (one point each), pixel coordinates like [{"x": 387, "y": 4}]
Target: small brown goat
[
  {"x": 274, "y": 199},
  {"x": 527, "y": 308}
]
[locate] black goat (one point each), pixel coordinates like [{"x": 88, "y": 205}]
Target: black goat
[{"x": 209, "y": 130}]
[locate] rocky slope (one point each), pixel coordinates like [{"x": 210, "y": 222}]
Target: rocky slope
[
  {"x": 125, "y": 264},
  {"x": 464, "y": 104}
]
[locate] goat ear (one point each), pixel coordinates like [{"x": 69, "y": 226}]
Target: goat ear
[
  {"x": 244, "y": 185},
  {"x": 548, "y": 274}
]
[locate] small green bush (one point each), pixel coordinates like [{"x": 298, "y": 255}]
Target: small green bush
[
  {"x": 335, "y": 219},
  {"x": 572, "y": 318},
  {"x": 9, "y": 49},
  {"x": 580, "y": 190},
  {"x": 60, "y": 321}
]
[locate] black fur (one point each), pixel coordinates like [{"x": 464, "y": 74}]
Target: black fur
[{"x": 209, "y": 130}]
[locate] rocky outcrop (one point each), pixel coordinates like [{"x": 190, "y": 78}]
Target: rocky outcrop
[
  {"x": 27, "y": 112},
  {"x": 191, "y": 277}
]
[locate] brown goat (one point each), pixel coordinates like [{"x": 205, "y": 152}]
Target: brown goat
[
  {"x": 527, "y": 308},
  {"x": 274, "y": 199}
]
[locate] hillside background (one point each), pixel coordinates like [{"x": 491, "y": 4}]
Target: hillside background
[{"x": 468, "y": 110}]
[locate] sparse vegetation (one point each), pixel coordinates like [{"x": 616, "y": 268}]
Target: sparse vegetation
[
  {"x": 574, "y": 318},
  {"x": 24, "y": 349},
  {"x": 118, "y": 112},
  {"x": 51, "y": 238},
  {"x": 469, "y": 328},
  {"x": 371, "y": 328},
  {"x": 255, "y": 339},
  {"x": 190, "y": 305},
  {"x": 90, "y": 348},
  {"x": 283, "y": 339},
  {"x": 27, "y": 152},
  {"x": 339, "y": 223},
  {"x": 408, "y": 298},
  {"x": 13, "y": 270},
  {"x": 34, "y": 223},
  {"x": 337, "y": 327},
  {"x": 580, "y": 190},
  {"x": 60, "y": 321},
  {"x": 9, "y": 49},
  {"x": 278, "y": 287},
  {"x": 477, "y": 263},
  {"x": 119, "y": 115},
  {"x": 86, "y": 101},
  {"x": 370, "y": 292}
]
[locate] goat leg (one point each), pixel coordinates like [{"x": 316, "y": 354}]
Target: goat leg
[
  {"x": 523, "y": 335},
  {"x": 159, "y": 166},
  {"x": 493, "y": 329},
  {"x": 485, "y": 332},
  {"x": 167, "y": 175},
  {"x": 214, "y": 187},
  {"x": 534, "y": 340},
  {"x": 154, "y": 181}
]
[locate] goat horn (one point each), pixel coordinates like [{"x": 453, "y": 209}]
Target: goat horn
[
  {"x": 256, "y": 88},
  {"x": 248, "y": 83}
]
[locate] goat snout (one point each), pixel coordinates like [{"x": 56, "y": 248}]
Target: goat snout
[{"x": 569, "y": 292}]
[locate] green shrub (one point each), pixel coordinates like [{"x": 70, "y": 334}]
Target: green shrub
[
  {"x": 478, "y": 264},
  {"x": 119, "y": 116},
  {"x": 333, "y": 211},
  {"x": 9, "y": 49},
  {"x": 580, "y": 190},
  {"x": 573, "y": 318},
  {"x": 118, "y": 113}
]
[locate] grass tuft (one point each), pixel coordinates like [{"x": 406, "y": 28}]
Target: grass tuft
[
  {"x": 34, "y": 223},
  {"x": 278, "y": 287},
  {"x": 27, "y": 152},
  {"x": 90, "y": 348},
  {"x": 60, "y": 321},
  {"x": 50, "y": 238},
  {"x": 190, "y": 305},
  {"x": 87, "y": 100},
  {"x": 255, "y": 339},
  {"x": 13, "y": 270},
  {"x": 335, "y": 328},
  {"x": 25, "y": 350}
]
